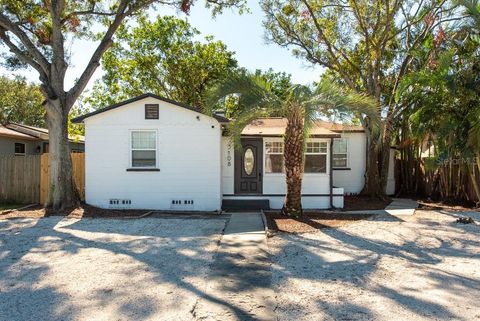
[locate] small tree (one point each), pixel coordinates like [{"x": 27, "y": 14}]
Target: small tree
[
  {"x": 162, "y": 57},
  {"x": 301, "y": 105},
  {"x": 37, "y": 33},
  {"x": 21, "y": 102}
]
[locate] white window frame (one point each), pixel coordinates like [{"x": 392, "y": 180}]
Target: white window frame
[
  {"x": 24, "y": 149},
  {"x": 280, "y": 140},
  {"x": 272, "y": 140},
  {"x": 347, "y": 153},
  {"x": 130, "y": 139},
  {"x": 327, "y": 162}
]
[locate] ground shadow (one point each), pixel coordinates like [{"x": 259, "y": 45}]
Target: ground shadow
[
  {"x": 168, "y": 252},
  {"x": 346, "y": 259}
]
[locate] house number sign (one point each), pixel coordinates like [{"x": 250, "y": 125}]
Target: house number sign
[{"x": 229, "y": 154}]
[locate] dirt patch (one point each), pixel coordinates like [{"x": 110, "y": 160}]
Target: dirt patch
[
  {"x": 358, "y": 203},
  {"x": 38, "y": 211},
  {"x": 310, "y": 222}
]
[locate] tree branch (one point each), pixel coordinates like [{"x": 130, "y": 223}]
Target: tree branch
[
  {"x": 331, "y": 48},
  {"x": 36, "y": 55},
  {"x": 122, "y": 12},
  {"x": 58, "y": 58},
  {"x": 22, "y": 55}
]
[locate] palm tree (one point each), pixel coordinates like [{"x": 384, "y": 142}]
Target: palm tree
[{"x": 301, "y": 106}]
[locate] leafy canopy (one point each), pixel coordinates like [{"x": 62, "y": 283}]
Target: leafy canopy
[
  {"x": 161, "y": 57},
  {"x": 21, "y": 102}
]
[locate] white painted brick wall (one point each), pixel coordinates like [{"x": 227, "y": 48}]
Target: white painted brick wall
[{"x": 188, "y": 157}]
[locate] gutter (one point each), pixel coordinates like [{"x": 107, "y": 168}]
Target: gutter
[{"x": 331, "y": 172}]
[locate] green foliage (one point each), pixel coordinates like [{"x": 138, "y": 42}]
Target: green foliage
[
  {"x": 21, "y": 102},
  {"x": 443, "y": 96},
  {"x": 161, "y": 57},
  {"x": 256, "y": 97},
  {"x": 280, "y": 81},
  {"x": 366, "y": 45}
]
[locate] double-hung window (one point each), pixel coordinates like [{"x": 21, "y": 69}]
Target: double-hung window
[
  {"x": 340, "y": 153},
  {"x": 316, "y": 157},
  {"x": 20, "y": 149},
  {"x": 274, "y": 157},
  {"x": 143, "y": 148}
]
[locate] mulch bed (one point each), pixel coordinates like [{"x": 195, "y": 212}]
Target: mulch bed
[
  {"x": 358, "y": 203},
  {"x": 309, "y": 222},
  {"x": 38, "y": 211},
  {"x": 84, "y": 211},
  {"x": 431, "y": 205}
]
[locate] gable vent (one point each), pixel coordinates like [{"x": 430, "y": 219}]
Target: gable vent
[{"x": 151, "y": 111}]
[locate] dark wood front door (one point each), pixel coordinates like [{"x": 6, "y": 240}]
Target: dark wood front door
[{"x": 248, "y": 167}]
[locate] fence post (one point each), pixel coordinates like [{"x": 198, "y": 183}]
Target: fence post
[{"x": 44, "y": 178}]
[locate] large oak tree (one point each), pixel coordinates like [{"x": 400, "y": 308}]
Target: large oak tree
[
  {"x": 368, "y": 45},
  {"x": 38, "y": 34}
]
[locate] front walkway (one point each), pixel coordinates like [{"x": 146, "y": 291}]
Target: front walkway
[{"x": 240, "y": 278}]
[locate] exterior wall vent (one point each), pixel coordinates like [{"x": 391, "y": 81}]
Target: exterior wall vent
[
  {"x": 182, "y": 204},
  {"x": 119, "y": 203}
]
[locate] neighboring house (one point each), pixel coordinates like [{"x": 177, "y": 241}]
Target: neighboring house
[
  {"x": 18, "y": 139},
  {"x": 154, "y": 153}
]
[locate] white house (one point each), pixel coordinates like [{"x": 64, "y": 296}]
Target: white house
[{"x": 154, "y": 153}]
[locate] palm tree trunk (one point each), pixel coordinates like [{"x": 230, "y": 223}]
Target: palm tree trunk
[{"x": 293, "y": 154}]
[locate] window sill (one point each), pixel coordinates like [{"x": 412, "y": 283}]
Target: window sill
[
  {"x": 304, "y": 173},
  {"x": 143, "y": 169},
  {"x": 341, "y": 169}
]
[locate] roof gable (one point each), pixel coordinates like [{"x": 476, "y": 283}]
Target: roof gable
[{"x": 80, "y": 119}]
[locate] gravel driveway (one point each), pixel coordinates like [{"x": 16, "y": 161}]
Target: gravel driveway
[
  {"x": 104, "y": 269},
  {"x": 425, "y": 267}
]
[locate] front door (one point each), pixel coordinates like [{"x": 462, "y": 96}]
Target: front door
[{"x": 248, "y": 167}]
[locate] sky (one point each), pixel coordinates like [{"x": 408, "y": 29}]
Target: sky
[{"x": 243, "y": 34}]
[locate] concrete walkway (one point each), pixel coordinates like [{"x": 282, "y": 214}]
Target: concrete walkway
[
  {"x": 401, "y": 206},
  {"x": 398, "y": 206},
  {"x": 239, "y": 286}
]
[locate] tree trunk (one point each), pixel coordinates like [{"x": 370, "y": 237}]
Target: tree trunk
[
  {"x": 376, "y": 170},
  {"x": 384, "y": 161},
  {"x": 62, "y": 193},
  {"x": 373, "y": 186},
  {"x": 293, "y": 155},
  {"x": 476, "y": 186}
]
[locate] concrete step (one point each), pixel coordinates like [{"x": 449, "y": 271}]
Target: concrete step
[{"x": 245, "y": 205}]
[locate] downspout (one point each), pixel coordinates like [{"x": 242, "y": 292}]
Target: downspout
[{"x": 331, "y": 172}]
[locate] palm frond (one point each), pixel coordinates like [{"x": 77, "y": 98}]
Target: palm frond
[
  {"x": 254, "y": 100},
  {"x": 243, "y": 119},
  {"x": 330, "y": 96},
  {"x": 251, "y": 91}
]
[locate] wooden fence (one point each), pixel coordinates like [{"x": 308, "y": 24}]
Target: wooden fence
[
  {"x": 25, "y": 179},
  {"x": 20, "y": 179},
  {"x": 78, "y": 165},
  {"x": 447, "y": 182}
]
